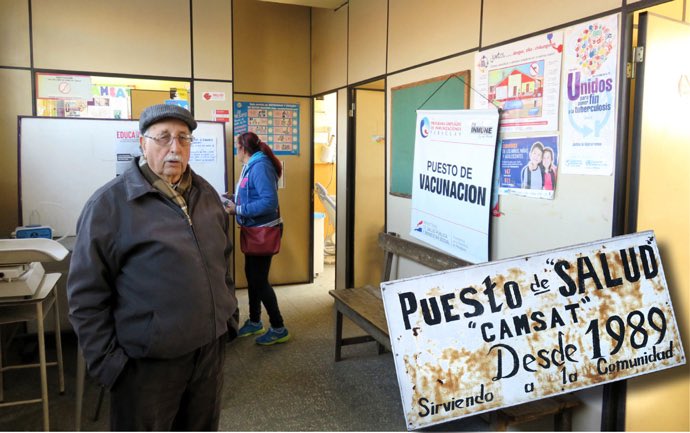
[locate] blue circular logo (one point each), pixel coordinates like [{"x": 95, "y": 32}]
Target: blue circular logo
[{"x": 424, "y": 127}]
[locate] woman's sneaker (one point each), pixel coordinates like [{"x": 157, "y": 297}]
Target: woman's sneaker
[
  {"x": 273, "y": 337},
  {"x": 251, "y": 328}
]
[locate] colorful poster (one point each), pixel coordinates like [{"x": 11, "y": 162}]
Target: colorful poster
[
  {"x": 589, "y": 95},
  {"x": 276, "y": 124},
  {"x": 485, "y": 337},
  {"x": 452, "y": 177},
  {"x": 110, "y": 102},
  {"x": 529, "y": 166},
  {"x": 126, "y": 148},
  {"x": 523, "y": 79}
]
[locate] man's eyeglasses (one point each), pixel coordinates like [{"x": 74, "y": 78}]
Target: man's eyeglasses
[{"x": 166, "y": 140}]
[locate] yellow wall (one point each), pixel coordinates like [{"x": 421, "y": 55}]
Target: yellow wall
[
  {"x": 501, "y": 16},
  {"x": 127, "y": 36},
  {"x": 15, "y": 88},
  {"x": 366, "y": 38},
  {"x": 369, "y": 189},
  {"x": 14, "y": 33},
  {"x": 410, "y": 41},
  {"x": 661, "y": 401},
  {"x": 271, "y": 48},
  {"x": 212, "y": 35},
  {"x": 329, "y": 49}
]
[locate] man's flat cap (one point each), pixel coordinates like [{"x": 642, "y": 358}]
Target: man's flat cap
[{"x": 156, "y": 113}]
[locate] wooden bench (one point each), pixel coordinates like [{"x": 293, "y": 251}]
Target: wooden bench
[{"x": 364, "y": 306}]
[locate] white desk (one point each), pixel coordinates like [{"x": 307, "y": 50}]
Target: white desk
[{"x": 14, "y": 310}]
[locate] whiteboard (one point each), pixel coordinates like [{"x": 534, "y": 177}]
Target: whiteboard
[{"x": 62, "y": 162}]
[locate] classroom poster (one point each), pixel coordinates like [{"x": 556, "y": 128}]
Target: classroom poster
[
  {"x": 126, "y": 148},
  {"x": 523, "y": 79},
  {"x": 484, "y": 337},
  {"x": 276, "y": 124},
  {"x": 452, "y": 177},
  {"x": 529, "y": 166},
  {"x": 109, "y": 102},
  {"x": 589, "y": 94}
]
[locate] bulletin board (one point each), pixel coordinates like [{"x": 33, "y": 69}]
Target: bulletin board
[
  {"x": 63, "y": 161},
  {"x": 447, "y": 92}
]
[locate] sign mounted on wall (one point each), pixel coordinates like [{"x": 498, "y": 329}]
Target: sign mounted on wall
[
  {"x": 276, "y": 124},
  {"x": 480, "y": 338},
  {"x": 451, "y": 180}
]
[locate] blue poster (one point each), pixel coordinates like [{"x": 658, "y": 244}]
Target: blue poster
[
  {"x": 529, "y": 166},
  {"x": 276, "y": 124}
]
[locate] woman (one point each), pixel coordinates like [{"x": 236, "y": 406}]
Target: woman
[
  {"x": 256, "y": 204},
  {"x": 549, "y": 169}
]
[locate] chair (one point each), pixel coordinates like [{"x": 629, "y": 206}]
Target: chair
[{"x": 329, "y": 204}]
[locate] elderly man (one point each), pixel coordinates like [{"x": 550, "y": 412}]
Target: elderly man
[{"x": 150, "y": 293}]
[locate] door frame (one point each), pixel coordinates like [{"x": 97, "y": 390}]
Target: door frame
[{"x": 351, "y": 166}]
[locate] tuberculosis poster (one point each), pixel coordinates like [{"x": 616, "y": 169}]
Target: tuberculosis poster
[
  {"x": 452, "y": 177},
  {"x": 494, "y": 335},
  {"x": 590, "y": 60}
]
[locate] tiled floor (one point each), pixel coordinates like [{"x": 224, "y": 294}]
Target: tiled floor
[{"x": 289, "y": 387}]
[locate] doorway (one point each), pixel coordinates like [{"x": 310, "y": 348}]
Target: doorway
[
  {"x": 325, "y": 184},
  {"x": 366, "y": 192}
]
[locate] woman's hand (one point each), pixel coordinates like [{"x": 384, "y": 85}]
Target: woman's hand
[
  {"x": 230, "y": 207},
  {"x": 229, "y": 203}
]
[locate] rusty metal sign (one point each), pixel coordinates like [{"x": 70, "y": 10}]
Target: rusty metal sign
[{"x": 480, "y": 338}]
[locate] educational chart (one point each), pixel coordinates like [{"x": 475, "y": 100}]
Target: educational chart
[
  {"x": 523, "y": 79},
  {"x": 529, "y": 166},
  {"x": 589, "y": 112},
  {"x": 480, "y": 338},
  {"x": 452, "y": 177},
  {"x": 276, "y": 124}
]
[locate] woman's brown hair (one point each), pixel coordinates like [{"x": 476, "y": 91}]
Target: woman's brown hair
[{"x": 251, "y": 143}]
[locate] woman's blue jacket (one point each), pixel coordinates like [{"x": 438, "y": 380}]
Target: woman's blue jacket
[{"x": 256, "y": 194}]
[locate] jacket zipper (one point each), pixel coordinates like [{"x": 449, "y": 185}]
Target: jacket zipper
[{"x": 188, "y": 217}]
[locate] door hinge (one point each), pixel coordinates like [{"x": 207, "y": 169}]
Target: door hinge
[
  {"x": 351, "y": 111},
  {"x": 638, "y": 54},
  {"x": 637, "y": 57}
]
